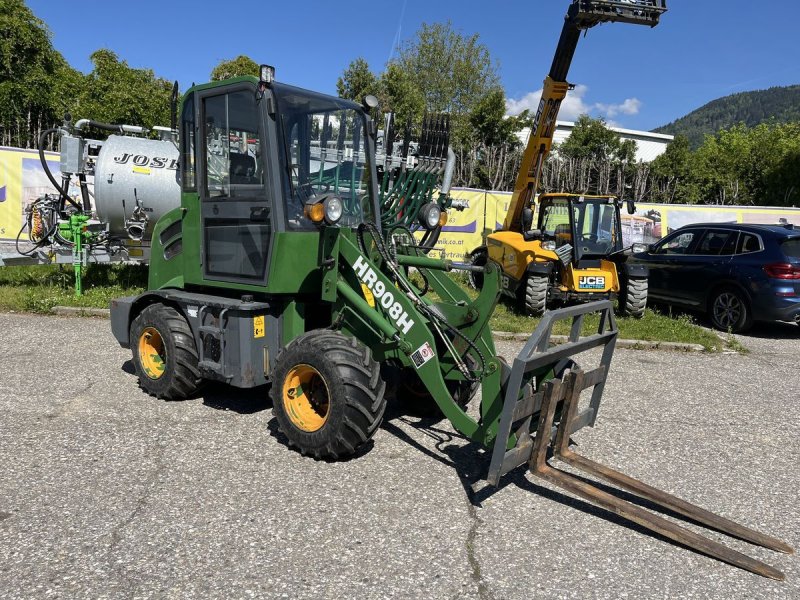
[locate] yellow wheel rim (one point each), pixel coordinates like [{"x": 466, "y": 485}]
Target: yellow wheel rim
[
  {"x": 152, "y": 354},
  {"x": 306, "y": 399}
]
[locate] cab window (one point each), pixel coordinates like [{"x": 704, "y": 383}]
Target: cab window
[{"x": 232, "y": 143}]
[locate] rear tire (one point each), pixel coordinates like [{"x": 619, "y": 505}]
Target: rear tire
[
  {"x": 634, "y": 298},
  {"x": 536, "y": 295},
  {"x": 327, "y": 394},
  {"x": 479, "y": 259},
  {"x": 730, "y": 311},
  {"x": 164, "y": 353}
]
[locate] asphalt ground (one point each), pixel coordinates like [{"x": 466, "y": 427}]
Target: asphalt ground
[{"x": 106, "y": 492}]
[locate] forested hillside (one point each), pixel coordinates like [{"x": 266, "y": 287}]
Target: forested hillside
[{"x": 781, "y": 104}]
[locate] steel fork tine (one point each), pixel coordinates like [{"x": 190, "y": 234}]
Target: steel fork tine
[{"x": 569, "y": 391}]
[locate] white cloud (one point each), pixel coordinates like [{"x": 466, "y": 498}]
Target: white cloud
[
  {"x": 572, "y": 107},
  {"x": 631, "y": 106},
  {"x": 575, "y": 105}
]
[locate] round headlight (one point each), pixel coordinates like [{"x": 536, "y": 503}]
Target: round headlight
[
  {"x": 333, "y": 209},
  {"x": 549, "y": 245},
  {"x": 429, "y": 215}
]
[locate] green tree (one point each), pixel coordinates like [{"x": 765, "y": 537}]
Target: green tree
[
  {"x": 492, "y": 158},
  {"x": 357, "y": 81},
  {"x": 236, "y": 67},
  {"x": 594, "y": 159},
  {"x": 672, "y": 174},
  {"x": 114, "y": 92},
  {"x": 591, "y": 138},
  {"x": 36, "y": 84},
  {"x": 451, "y": 70},
  {"x": 399, "y": 94}
]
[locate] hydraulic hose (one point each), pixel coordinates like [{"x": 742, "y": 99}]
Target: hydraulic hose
[
  {"x": 46, "y": 167},
  {"x": 83, "y": 123}
]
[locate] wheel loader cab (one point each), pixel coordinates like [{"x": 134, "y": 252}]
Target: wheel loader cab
[{"x": 255, "y": 163}]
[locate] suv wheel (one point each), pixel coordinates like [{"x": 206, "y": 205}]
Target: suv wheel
[{"x": 730, "y": 311}]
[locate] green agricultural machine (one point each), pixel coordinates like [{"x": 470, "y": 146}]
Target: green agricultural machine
[{"x": 277, "y": 269}]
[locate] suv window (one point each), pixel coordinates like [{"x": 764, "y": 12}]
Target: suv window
[
  {"x": 791, "y": 248},
  {"x": 748, "y": 243},
  {"x": 679, "y": 244},
  {"x": 717, "y": 242}
]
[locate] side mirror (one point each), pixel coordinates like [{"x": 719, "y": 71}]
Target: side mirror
[
  {"x": 533, "y": 234},
  {"x": 527, "y": 219},
  {"x": 631, "y": 205}
]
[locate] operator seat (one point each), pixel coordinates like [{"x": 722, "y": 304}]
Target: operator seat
[
  {"x": 243, "y": 168},
  {"x": 563, "y": 234}
]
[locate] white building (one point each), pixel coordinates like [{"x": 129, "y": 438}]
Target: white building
[{"x": 648, "y": 145}]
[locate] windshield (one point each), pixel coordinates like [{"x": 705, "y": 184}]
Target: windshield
[
  {"x": 324, "y": 152},
  {"x": 595, "y": 227}
]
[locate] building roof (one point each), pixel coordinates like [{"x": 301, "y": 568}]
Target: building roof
[{"x": 649, "y": 145}]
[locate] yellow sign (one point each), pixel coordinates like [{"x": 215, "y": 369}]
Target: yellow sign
[
  {"x": 368, "y": 295},
  {"x": 258, "y": 327}
]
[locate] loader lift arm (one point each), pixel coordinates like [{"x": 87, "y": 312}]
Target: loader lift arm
[{"x": 581, "y": 16}]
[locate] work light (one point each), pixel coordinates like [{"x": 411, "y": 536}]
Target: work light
[
  {"x": 429, "y": 215},
  {"x": 333, "y": 209},
  {"x": 266, "y": 74}
]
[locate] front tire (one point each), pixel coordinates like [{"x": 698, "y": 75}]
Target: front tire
[
  {"x": 730, "y": 311},
  {"x": 536, "y": 295},
  {"x": 634, "y": 298},
  {"x": 328, "y": 395},
  {"x": 164, "y": 353}
]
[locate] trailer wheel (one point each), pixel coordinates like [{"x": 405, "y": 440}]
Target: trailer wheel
[
  {"x": 164, "y": 353},
  {"x": 328, "y": 395},
  {"x": 634, "y": 298},
  {"x": 536, "y": 295}
]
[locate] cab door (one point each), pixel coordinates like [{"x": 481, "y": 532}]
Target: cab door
[{"x": 235, "y": 209}]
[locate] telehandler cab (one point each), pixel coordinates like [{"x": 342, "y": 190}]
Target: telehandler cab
[{"x": 271, "y": 272}]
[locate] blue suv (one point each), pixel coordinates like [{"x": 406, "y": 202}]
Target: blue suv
[{"x": 736, "y": 274}]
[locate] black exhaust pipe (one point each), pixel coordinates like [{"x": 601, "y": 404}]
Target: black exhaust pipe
[{"x": 173, "y": 105}]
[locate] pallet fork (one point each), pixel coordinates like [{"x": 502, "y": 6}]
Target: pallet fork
[{"x": 554, "y": 413}]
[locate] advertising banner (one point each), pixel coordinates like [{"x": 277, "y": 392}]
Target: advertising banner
[
  {"x": 22, "y": 180},
  {"x": 464, "y": 228},
  {"x": 651, "y": 222}
]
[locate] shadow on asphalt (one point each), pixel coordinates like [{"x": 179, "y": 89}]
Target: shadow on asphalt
[
  {"x": 776, "y": 330},
  {"x": 773, "y": 331},
  {"x": 471, "y": 463},
  {"x": 220, "y": 396},
  {"x": 243, "y": 401}
]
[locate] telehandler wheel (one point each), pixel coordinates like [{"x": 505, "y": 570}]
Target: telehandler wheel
[
  {"x": 327, "y": 394},
  {"x": 164, "y": 353},
  {"x": 634, "y": 298},
  {"x": 536, "y": 295},
  {"x": 479, "y": 259}
]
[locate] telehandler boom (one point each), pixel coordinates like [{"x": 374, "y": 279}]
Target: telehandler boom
[{"x": 575, "y": 253}]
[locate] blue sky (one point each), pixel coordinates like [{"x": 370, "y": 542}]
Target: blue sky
[{"x": 633, "y": 76}]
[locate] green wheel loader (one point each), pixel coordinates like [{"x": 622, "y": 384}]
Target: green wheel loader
[{"x": 275, "y": 269}]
